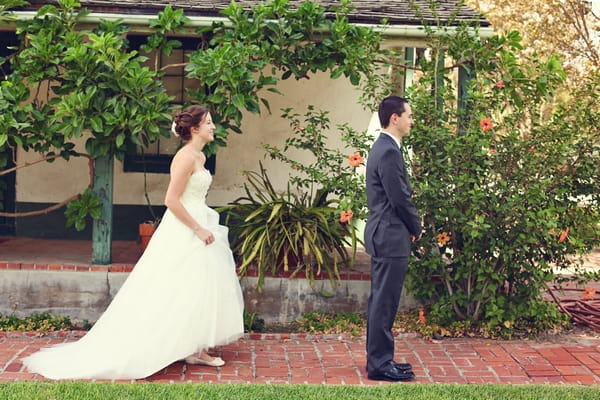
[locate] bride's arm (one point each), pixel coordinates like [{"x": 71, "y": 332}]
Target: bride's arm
[{"x": 182, "y": 168}]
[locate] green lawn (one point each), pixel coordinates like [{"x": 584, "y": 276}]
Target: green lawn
[{"x": 180, "y": 391}]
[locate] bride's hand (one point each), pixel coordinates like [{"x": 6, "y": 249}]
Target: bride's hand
[{"x": 205, "y": 235}]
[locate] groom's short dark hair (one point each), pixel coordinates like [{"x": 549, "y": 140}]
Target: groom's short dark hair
[{"x": 390, "y": 105}]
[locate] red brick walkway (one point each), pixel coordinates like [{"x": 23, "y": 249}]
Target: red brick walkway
[
  {"x": 281, "y": 358},
  {"x": 334, "y": 360}
]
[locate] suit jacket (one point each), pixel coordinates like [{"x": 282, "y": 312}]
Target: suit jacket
[{"x": 393, "y": 217}]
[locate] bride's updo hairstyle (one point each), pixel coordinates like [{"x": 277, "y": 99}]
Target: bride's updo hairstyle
[{"x": 187, "y": 119}]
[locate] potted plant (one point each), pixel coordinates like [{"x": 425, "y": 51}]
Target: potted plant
[
  {"x": 285, "y": 234},
  {"x": 146, "y": 228}
]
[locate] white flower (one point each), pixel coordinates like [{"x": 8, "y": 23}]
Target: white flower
[{"x": 173, "y": 129}]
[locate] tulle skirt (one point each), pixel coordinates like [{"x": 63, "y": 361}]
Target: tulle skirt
[{"x": 183, "y": 296}]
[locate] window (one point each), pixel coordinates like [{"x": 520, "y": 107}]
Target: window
[{"x": 156, "y": 158}]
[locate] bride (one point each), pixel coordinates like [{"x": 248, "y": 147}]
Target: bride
[{"x": 183, "y": 296}]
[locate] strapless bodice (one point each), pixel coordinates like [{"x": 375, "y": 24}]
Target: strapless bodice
[{"x": 197, "y": 188}]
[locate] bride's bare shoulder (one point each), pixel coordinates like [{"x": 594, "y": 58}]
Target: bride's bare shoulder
[{"x": 183, "y": 158}]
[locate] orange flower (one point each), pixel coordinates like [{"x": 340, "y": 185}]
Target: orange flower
[
  {"x": 422, "y": 318},
  {"x": 486, "y": 124},
  {"x": 566, "y": 169},
  {"x": 443, "y": 238},
  {"x": 499, "y": 84},
  {"x": 346, "y": 216},
  {"x": 588, "y": 293},
  {"x": 563, "y": 235},
  {"x": 492, "y": 151},
  {"x": 355, "y": 159}
]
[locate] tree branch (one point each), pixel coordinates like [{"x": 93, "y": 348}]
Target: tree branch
[{"x": 55, "y": 206}]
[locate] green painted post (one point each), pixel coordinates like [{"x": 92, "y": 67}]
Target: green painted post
[
  {"x": 409, "y": 58},
  {"x": 465, "y": 77},
  {"x": 102, "y": 228}
]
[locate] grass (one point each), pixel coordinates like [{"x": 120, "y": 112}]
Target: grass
[{"x": 152, "y": 391}]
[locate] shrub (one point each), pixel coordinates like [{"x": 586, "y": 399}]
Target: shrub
[
  {"x": 41, "y": 323},
  {"x": 507, "y": 181},
  {"x": 330, "y": 173}
]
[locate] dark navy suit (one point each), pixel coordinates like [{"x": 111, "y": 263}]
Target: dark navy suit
[{"x": 392, "y": 220}]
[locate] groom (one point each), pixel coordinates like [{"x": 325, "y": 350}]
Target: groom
[{"x": 392, "y": 223}]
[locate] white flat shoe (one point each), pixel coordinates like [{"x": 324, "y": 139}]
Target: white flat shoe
[{"x": 215, "y": 362}]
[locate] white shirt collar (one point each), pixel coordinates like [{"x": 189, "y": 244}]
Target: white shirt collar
[{"x": 393, "y": 137}]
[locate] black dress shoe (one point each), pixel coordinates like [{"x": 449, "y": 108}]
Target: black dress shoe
[
  {"x": 391, "y": 374},
  {"x": 402, "y": 367}
]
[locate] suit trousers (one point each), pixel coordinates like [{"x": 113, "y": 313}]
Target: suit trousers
[{"x": 387, "y": 278}]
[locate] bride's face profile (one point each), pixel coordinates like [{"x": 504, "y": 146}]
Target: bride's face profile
[{"x": 205, "y": 129}]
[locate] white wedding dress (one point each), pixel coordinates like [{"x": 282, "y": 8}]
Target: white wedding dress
[{"x": 183, "y": 296}]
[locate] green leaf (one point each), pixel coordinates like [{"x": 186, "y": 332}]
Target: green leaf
[
  {"x": 275, "y": 211},
  {"x": 96, "y": 124},
  {"x": 120, "y": 139},
  {"x": 238, "y": 101}
]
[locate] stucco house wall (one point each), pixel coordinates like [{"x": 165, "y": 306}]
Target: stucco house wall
[{"x": 53, "y": 182}]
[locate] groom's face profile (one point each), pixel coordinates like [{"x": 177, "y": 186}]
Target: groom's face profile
[{"x": 402, "y": 123}]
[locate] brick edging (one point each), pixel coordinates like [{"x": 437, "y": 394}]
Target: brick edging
[
  {"x": 75, "y": 334},
  {"x": 67, "y": 267},
  {"x": 351, "y": 275},
  {"x": 50, "y": 335}
]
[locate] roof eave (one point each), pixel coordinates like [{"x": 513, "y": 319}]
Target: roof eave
[{"x": 143, "y": 20}]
